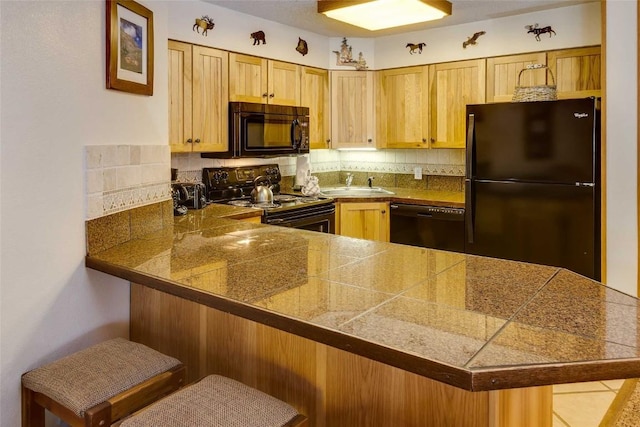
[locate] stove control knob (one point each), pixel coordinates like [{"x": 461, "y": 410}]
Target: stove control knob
[{"x": 224, "y": 175}]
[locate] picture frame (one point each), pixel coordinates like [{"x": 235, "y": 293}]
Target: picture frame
[{"x": 129, "y": 47}]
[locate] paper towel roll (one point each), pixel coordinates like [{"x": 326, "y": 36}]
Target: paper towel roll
[{"x": 303, "y": 170}]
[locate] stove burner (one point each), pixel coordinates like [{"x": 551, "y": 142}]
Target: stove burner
[
  {"x": 284, "y": 198},
  {"x": 309, "y": 199},
  {"x": 241, "y": 203},
  {"x": 265, "y": 205}
]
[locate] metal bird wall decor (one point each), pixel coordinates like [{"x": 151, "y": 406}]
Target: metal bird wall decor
[{"x": 473, "y": 40}]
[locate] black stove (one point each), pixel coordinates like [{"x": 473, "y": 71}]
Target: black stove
[{"x": 233, "y": 186}]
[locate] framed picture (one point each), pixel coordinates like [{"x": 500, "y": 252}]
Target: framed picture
[{"x": 129, "y": 47}]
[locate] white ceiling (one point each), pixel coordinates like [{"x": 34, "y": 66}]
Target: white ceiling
[{"x": 303, "y": 14}]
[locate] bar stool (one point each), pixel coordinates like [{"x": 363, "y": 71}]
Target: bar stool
[
  {"x": 625, "y": 408},
  {"x": 100, "y": 384},
  {"x": 217, "y": 401}
]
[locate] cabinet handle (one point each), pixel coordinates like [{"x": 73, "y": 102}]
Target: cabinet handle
[
  {"x": 433, "y": 140},
  {"x": 424, "y": 139},
  {"x": 328, "y": 141},
  {"x": 384, "y": 212},
  {"x": 369, "y": 140},
  {"x": 264, "y": 95},
  {"x": 271, "y": 95},
  {"x": 189, "y": 140},
  {"x": 198, "y": 141}
]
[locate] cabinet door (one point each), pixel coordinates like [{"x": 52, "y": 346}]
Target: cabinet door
[
  {"x": 453, "y": 85},
  {"x": 314, "y": 93},
  {"x": 210, "y": 95},
  {"x": 502, "y": 75},
  {"x": 247, "y": 78},
  {"x": 577, "y": 72},
  {"x": 364, "y": 220},
  {"x": 180, "y": 136},
  {"x": 352, "y": 111},
  {"x": 283, "y": 82},
  {"x": 403, "y": 106}
]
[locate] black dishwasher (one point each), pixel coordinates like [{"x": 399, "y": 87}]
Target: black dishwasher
[{"x": 433, "y": 227}]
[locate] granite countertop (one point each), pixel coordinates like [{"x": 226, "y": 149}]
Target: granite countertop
[{"x": 473, "y": 322}]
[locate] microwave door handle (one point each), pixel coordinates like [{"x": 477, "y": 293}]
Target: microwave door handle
[{"x": 295, "y": 124}]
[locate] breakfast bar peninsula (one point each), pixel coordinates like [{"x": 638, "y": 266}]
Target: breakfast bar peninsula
[{"x": 360, "y": 333}]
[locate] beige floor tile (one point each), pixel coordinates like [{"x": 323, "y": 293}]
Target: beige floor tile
[
  {"x": 613, "y": 384},
  {"x": 557, "y": 422},
  {"x": 582, "y": 409},
  {"x": 580, "y": 387}
]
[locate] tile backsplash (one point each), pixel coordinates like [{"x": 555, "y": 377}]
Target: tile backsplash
[
  {"x": 441, "y": 162},
  {"x": 121, "y": 177}
]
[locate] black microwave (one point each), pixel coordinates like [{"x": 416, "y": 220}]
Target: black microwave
[{"x": 263, "y": 130}]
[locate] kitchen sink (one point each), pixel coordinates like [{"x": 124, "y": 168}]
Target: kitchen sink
[{"x": 354, "y": 191}]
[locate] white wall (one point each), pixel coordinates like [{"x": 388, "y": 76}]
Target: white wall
[
  {"x": 53, "y": 103},
  {"x": 622, "y": 128},
  {"x": 574, "y": 26}
]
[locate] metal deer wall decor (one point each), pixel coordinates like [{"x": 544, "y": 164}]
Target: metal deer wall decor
[
  {"x": 537, "y": 30},
  {"x": 205, "y": 23}
]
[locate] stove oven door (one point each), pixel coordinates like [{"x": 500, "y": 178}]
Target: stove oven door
[{"x": 317, "y": 218}]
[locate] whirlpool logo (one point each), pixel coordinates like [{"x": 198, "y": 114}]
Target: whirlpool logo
[{"x": 580, "y": 115}]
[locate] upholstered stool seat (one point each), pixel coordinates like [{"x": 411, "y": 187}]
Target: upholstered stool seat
[
  {"x": 100, "y": 384},
  {"x": 217, "y": 401}
]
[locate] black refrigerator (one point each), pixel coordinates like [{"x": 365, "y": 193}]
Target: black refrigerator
[{"x": 532, "y": 186}]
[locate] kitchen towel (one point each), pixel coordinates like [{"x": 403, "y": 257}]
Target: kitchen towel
[{"x": 303, "y": 170}]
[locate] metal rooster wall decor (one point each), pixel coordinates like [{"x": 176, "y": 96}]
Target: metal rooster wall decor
[
  {"x": 205, "y": 23},
  {"x": 473, "y": 40},
  {"x": 537, "y": 30}
]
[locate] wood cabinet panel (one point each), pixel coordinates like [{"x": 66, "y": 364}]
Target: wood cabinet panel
[
  {"x": 369, "y": 220},
  {"x": 198, "y": 98},
  {"x": 247, "y": 78},
  {"x": 283, "y": 83},
  {"x": 577, "y": 72},
  {"x": 210, "y": 95},
  {"x": 180, "y": 92},
  {"x": 502, "y": 75},
  {"x": 352, "y": 109},
  {"x": 314, "y": 94},
  {"x": 453, "y": 85},
  {"x": 332, "y": 387},
  {"x": 255, "y": 79},
  {"x": 403, "y": 108}
]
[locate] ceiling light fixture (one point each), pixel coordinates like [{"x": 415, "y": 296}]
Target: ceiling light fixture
[{"x": 380, "y": 14}]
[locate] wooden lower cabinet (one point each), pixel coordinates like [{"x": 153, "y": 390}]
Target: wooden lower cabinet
[
  {"x": 332, "y": 387},
  {"x": 368, "y": 220}
]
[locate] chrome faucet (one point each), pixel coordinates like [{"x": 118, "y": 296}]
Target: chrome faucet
[
  {"x": 370, "y": 181},
  {"x": 349, "y": 179}
]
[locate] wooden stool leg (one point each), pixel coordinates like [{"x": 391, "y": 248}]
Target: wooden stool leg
[{"x": 32, "y": 413}]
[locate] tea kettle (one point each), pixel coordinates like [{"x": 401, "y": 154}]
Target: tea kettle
[{"x": 261, "y": 192}]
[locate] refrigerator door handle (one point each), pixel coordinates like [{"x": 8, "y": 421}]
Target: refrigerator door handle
[
  {"x": 470, "y": 140},
  {"x": 468, "y": 212}
]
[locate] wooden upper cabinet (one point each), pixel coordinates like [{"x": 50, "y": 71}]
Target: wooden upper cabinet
[
  {"x": 198, "y": 98},
  {"x": 352, "y": 109},
  {"x": 453, "y": 85},
  {"x": 254, "y": 79},
  {"x": 283, "y": 83},
  {"x": 577, "y": 72},
  {"x": 502, "y": 75},
  {"x": 180, "y": 109},
  {"x": 314, "y": 94},
  {"x": 403, "y": 101}
]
